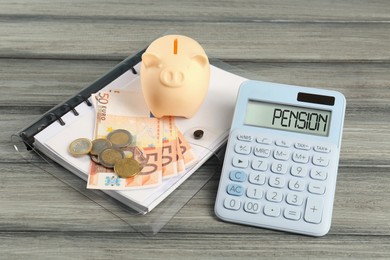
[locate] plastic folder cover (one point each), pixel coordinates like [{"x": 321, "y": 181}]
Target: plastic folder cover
[{"x": 214, "y": 119}]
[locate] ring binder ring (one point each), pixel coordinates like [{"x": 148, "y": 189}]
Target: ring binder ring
[
  {"x": 40, "y": 128},
  {"x": 59, "y": 119},
  {"x": 85, "y": 100},
  {"x": 72, "y": 109}
]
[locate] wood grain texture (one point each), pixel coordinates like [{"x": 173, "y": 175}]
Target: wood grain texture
[
  {"x": 258, "y": 41},
  {"x": 49, "y": 50},
  {"x": 201, "y": 11}
]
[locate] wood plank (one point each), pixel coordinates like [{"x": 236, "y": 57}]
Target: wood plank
[
  {"x": 200, "y": 11},
  {"x": 42, "y": 84},
  {"x": 91, "y": 245},
  {"x": 262, "y": 41}
]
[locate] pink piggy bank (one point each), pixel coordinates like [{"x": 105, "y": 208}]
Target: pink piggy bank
[{"x": 175, "y": 74}]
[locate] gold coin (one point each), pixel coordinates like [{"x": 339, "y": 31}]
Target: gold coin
[
  {"x": 120, "y": 138},
  {"x": 127, "y": 167},
  {"x": 109, "y": 156},
  {"x": 80, "y": 146},
  {"x": 98, "y": 145}
]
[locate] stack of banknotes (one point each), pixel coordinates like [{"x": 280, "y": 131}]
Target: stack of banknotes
[{"x": 156, "y": 143}]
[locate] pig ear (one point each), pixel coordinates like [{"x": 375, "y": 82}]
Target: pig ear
[
  {"x": 150, "y": 59},
  {"x": 201, "y": 59}
]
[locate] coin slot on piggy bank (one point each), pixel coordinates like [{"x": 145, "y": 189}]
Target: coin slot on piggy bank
[{"x": 175, "y": 75}]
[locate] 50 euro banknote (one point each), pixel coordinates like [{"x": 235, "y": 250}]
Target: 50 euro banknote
[
  {"x": 170, "y": 148},
  {"x": 115, "y": 109},
  {"x": 147, "y": 138},
  {"x": 130, "y": 103}
]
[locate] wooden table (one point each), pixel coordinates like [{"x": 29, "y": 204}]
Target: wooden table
[{"x": 51, "y": 49}]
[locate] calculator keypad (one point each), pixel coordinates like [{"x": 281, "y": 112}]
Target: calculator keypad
[{"x": 277, "y": 178}]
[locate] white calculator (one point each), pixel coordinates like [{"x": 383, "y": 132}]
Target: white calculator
[{"x": 282, "y": 156}]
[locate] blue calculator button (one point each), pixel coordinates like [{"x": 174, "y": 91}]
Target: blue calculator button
[
  {"x": 240, "y": 162},
  {"x": 239, "y": 176},
  {"x": 244, "y": 137},
  {"x": 235, "y": 189}
]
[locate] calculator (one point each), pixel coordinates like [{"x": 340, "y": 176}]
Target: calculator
[{"x": 282, "y": 156}]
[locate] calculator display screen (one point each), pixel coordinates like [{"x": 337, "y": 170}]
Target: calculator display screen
[{"x": 288, "y": 118}]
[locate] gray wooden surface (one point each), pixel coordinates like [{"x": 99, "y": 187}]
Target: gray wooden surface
[{"x": 51, "y": 49}]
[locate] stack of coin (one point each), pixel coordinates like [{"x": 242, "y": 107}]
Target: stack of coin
[{"x": 114, "y": 151}]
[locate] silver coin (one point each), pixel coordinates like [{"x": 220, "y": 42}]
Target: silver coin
[
  {"x": 120, "y": 138},
  {"x": 98, "y": 145}
]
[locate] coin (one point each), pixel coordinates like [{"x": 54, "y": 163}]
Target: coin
[
  {"x": 80, "y": 146},
  {"x": 127, "y": 167},
  {"x": 95, "y": 158},
  {"x": 120, "y": 138},
  {"x": 99, "y": 145},
  {"x": 109, "y": 156}
]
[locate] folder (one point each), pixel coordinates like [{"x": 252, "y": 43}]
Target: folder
[{"x": 52, "y": 133}]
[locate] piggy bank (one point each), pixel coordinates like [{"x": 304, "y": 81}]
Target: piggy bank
[{"x": 175, "y": 74}]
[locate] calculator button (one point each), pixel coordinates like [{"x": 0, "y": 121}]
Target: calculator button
[
  {"x": 322, "y": 148},
  {"x": 318, "y": 174},
  {"x": 244, "y": 137},
  {"x": 272, "y": 210},
  {"x": 294, "y": 199},
  {"x": 262, "y": 151},
  {"x": 279, "y": 167},
  {"x": 240, "y": 162},
  {"x": 276, "y": 182},
  {"x": 232, "y": 203},
  {"x": 300, "y": 157},
  {"x": 242, "y": 148},
  {"x": 292, "y": 213},
  {"x": 316, "y": 187},
  {"x": 235, "y": 189},
  {"x": 274, "y": 196},
  {"x": 257, "y": 178},
  {"x": 296, "y": 184},
  {"x": 320, "y": 160},
  {"x": 282, "y": 143},
  {"x": 259, "y": 165},
  {"x": 299, "y": 170},
  {"x": 282, "y": 155},
  {"x": 302, "y": 146},
  {"x": 277, "y": 178},
  {"x": 264, "y": 140},
  {"x": 252, "y": 207},
  {"x": 254, "y": 192},
  {"x": 238, "y": 176},
  {"x": 313, "y": 211}
]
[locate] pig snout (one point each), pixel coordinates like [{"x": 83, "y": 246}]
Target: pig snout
[{"x": 172, "y": 77}]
